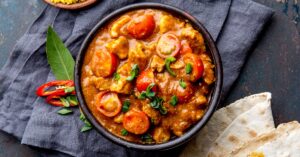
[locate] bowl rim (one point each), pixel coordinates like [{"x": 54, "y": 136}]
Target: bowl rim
[{"x": 214, "y": 98}]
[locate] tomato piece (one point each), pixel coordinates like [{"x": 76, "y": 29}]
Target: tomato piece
[
  {"x": 108, "y": 103},
  {"x": 144, "y": 80},
  {"x": 168, "y": 45},
  {"x": 183, "y": 94},
  {"x": 142, "y": 27},
  {"x": 185, "y": 47},
  {"x": 197, "y": 66},
  {"x": 136, "y": 121},
  {"x": 104, "y": 64}
]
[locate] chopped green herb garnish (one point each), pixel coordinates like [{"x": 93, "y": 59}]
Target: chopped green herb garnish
[
  {"x": 64, "y": 111},
  {"x": 117, "y": 76},
  {"x": 148, "y": 93},
  {"x": 188, "y": 68},
  {"x": 182, "y": 83},
  {"x": 163, "y": 110},
  {"x": 86, "y": 128},
  {"x": 168, "y": 61},
  {"x": 87, "y": 125},
  {"x": 147, "y": 138},
  {"x": 143, "y": 95},
  {"x": 125, "y": 106},
  {"x": 174, "y": 100},
  {"x": 156, "y": 102},
  {"x": 72, "y": 99},
  {"x": 124, "y": 132},
  {"x": 65, "y": 102},
  {"x": 133, "y": 73},
  {"x": 69, "y": 89}
]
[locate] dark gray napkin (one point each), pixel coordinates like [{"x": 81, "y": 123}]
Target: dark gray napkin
[{"x": 234, "y": 25}]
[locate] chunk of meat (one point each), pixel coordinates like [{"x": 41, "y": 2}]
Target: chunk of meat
[
  {"x": 194, "y": 38},
  {"x": 100, "y": 82},
  {"x": 119, "y": 118},
  {"x": 178, "y": 64},
  {"x": 157, "y": 63},
  {"x": 138, "y": 55},
  {"x": 153, "y": 114},
  {"x": 115, "y": 30},
  {"x": 120, "y": 47},
  {"x": 179, "y": 126},
  {"x": 161, "y": 135},
  {"x": 208, "y": 75},
  {"x": 121, "y": 85},
  {"x": 166, "y": 23}
]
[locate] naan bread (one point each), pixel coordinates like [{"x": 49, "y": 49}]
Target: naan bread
[
  {"x": 282, "y": 142},
  {"x": 254, "y": 122},
  {"x": 221, "y": 119}
]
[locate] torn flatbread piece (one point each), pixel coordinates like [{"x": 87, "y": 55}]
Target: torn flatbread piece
[
  {"x": 254, "y": 122},
  {"x": 282, "y": 142},
  {"x": 221, "y": 119}
]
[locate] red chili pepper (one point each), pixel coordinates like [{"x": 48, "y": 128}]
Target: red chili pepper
[
  {"x": 42, "y": 90},
  {"x": 55, "y": 100}
]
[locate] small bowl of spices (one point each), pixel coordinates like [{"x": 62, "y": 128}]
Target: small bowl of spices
[{"x": 70, "y": 4}]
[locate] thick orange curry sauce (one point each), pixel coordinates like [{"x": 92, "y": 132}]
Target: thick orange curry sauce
[{"x": 146, "y": 39}]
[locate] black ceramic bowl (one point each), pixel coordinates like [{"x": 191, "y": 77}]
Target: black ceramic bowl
[{"x": 213, "y": 98}]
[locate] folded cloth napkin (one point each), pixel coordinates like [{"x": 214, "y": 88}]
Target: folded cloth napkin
[{"x": 234, "y": 25}]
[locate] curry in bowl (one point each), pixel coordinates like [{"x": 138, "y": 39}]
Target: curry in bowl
[{"x": 147, "y": 75}]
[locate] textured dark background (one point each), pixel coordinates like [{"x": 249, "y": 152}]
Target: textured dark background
[{"x": 273, "y": 64}]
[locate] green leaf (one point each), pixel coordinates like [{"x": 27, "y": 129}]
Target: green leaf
[
  {"x": 86, "y": 128},
  {"x": 182, "y": 83},
  {"x": 188, "y": 68},
  {"x": 125, "y": 106},
  {"x": 64, "y": 111},
  {"x": 65, "y": 102},
  {"x": 168, "y": 61},
  {"x": 174, "y": 100},
  {"x": 59, "y": 57},
  {"x": 117, "y": 76},
  {"x": 133, "y": 73},
  {"x": 124, "y": 132}
]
